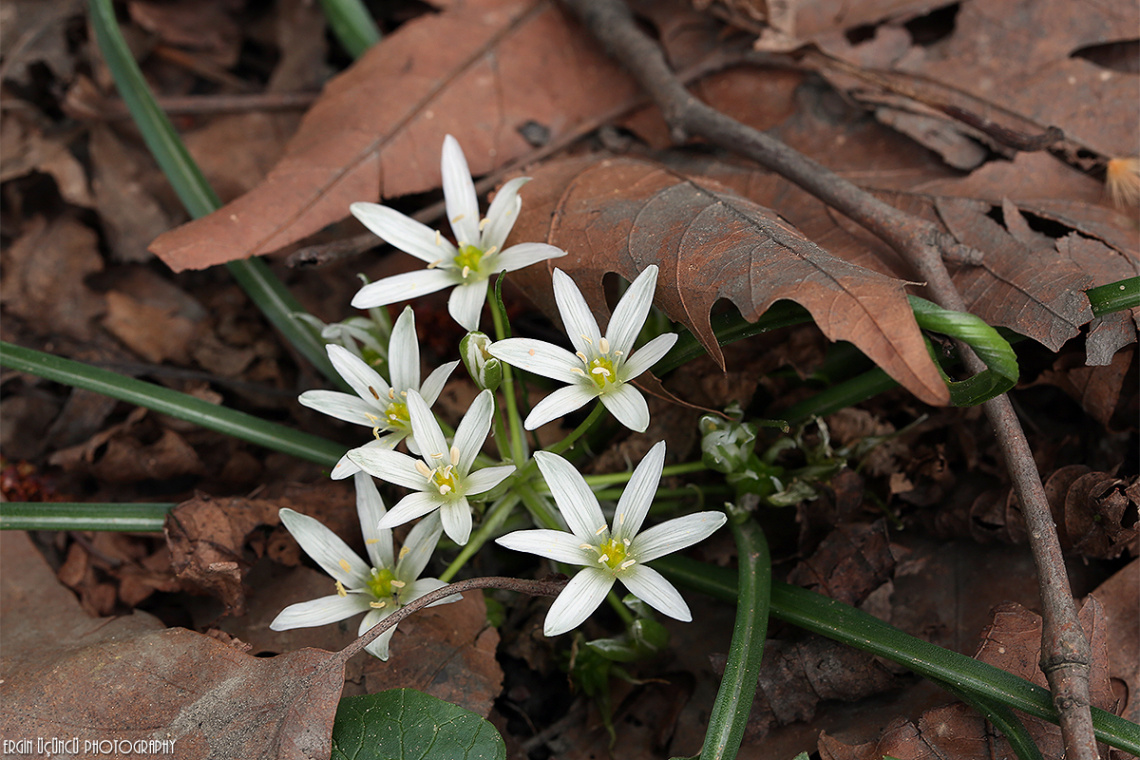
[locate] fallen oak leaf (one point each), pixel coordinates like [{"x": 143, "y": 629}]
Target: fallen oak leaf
[
  {"x": 620, "y": 215},
  {"x": 375, "y": 131}
]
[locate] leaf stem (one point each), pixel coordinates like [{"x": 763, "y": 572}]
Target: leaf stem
[{"x": 491, "y": 522}]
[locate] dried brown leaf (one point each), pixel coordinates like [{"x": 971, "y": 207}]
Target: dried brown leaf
[
  {"x": 854, "y": 560},
  {"x": 377, "y": 129},
  {"x": 620, "y": 215},
  {"x": 65, "y": 674}
]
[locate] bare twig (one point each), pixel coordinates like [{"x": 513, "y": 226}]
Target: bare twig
[
  {"x": 551, "y": 586},
  {"x": 1065, "y": 652}
]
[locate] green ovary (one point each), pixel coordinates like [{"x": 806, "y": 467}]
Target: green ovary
[
  {"x": 397, "y": 416},
  {"x": 446, "y": 480},
  {"x": 601, "y": 371},
  {"x": 614, "y": 554},
  {"x": 380, "y": 584},
  {"x": 467, "y": 260}
]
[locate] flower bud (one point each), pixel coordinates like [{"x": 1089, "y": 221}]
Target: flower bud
[
  {"x": 485, "y": 370},
  {"x": 726, "y": 445}
]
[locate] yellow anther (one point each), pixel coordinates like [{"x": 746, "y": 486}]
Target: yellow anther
[
  {"x": 404, "y": 551},
  {"x": 398, "y": 584},
  {"x": 587, "y": 546},
  {"x": 605, "y": 346},
  {"x": 435, "y": 263},
  {"x": 444, "y": 490},
  {"x": 377, "y": 605},
  {"x": 577, "y": 371},
  {"x": 340, "y": 589},
  {"x": 438, "y": 238},
  {"x": 455, "y": 455},
  {"x": 372, "y": 541},
  {"x": 458, "y": 218},
  {"x": 437, "y": 455},
  {"x": 423, "y": 469},
  {"x": 619, "y": 353},
  {"x": 600, "y": 371},
  {"x": 483, "y": 223},
  {"x": 582, "y": 356},
  {"x": 466, "y": 271},
  {"x": 586, "y": 338},
  {"x": 344, "y": 565},
  {"x": 603, "y": 559},
  {"x": 627, "y": 564},
  {"x": 375, "y": 395},
  {"x": 391, "y": 394},
  {"x": 621, "y": 518},
  {"x": 490, "y": 250},
  {"x": 600, "y": 531}
]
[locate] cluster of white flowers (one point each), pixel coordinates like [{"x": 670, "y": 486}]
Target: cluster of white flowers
[{"x": 441, "y": 477}]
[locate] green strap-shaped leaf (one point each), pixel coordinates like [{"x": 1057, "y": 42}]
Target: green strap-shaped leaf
[
  {"x": 404, "y": 724},
  {"x": 1001, "y": 362}
]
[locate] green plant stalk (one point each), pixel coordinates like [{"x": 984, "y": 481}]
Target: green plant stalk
[
  {"x": 738, "y": 685},
  {"x": 515, "y": 426},
  {"x": 1003, "y": 719},
  {"x": 352, "y": 25},
  {"x": 1115, "y": 296},
  {"x": 196, "y": 195},
  {"x": 730, "y": 328},
  {"x": 827, "y": 617},
  {"x": 618, "y": 607},
  {"x": 840, "y": 396},
  {"x": 495, "y": 517},
  {"x": 183, "y": 406},
  {"x": 48, "y": 515},
  {"x": 613, "y": 478}
]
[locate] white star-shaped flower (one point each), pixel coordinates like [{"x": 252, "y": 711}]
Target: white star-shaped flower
[
  {"x": 377, "y": 405},
  {"x": 609, "y": 555},
  {"x": 377, "y": 590},
  {"x": 467, "y": 266},
  {"x": 602, "y": 366},
  {"x": 442, "y": 479}
]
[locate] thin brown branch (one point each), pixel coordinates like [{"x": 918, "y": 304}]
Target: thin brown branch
[
  {"x": 1065, "y": 651},
  {"x": 551, "y": 586}
]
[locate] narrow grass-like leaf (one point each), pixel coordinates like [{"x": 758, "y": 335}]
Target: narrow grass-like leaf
[
  {"x": 838, "y": 621},
  {"x": 49, "y": 515},
  {"x": 352, "y": 25},
  {"x": 183, "y": 406},
  {"x": 742, "y": 670},
  {"x": 1115, "y": 296},
  {"x": 263, "y": 288}
]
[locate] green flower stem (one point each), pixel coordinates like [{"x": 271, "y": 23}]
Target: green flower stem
[
  {"x": 516, "y": 432},
  {"x": 595, "y": 415},
  {"x": 1003, "y": 719},
  {"x": 540, "y": 511},
  {"x": 729, "y": 328},
  {"x": 1115, "y": 296},
  {"x": 494, "y": 518},
  {"x": 352, "y": 25},
  {"x": 827, "y": 617},
  {"x": 840, "y": 396},
  {"x": 196, "y": 195},
  {"x": 742, "y": 670},
  {"x": 40, "y": 515},
  {"x": 672, "y": 470},
  {"x": 180, "y": 405},
  {"x": 622, "y": 611}
]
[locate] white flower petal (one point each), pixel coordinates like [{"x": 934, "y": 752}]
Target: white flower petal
[
  {"x": 434, "y": 383},
  {"x": 459, "y": 193},
  {"x": 553, "y": 544},
  {"x": 575, "y": 500},
  {"x": 402, "y": 232},
  {"x": 560, "y": 403},
  {"x": 524, "y": 254},
  {"x": 404, "y": 353},
  {"x": 638, "y": 495},
  {"x": 628, "y": 406},
  {"x": 402, "y": 287},
  {"x": 426, "y": 431},
  {"x": 456, "y": 517},
  {"x": 630, "y": 313},
  {"x": 364, "y": 380},
  {"x": 418, "y": 548},
  {"x": 343, "y": 406},
  {"x": 578, "y": 600},
  {"x": 484, "y": 480},
  {"x": 390, "y": 466},
  {"x": 346, "y": 468},
  {"x": 426, "y": 586},
  {"x": 539, "y": 357},
  {"x": 646, "y": 356},
  {"x": 674, "y": 535},
  {"x": 409, "y": 508},
  {"x": 579, "y": 321},
  {"x": 379, "y": 647},
  {"x": 370, "y": 509},
  {"x": 502, "y": 214},
  {"x": 327, "y": 609},
  {"x": 650, "y": 586},
  {"x": 473, "y": 429},
  {"x": 465, "y": 305},
  {"x": 327, "y": 549}
]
